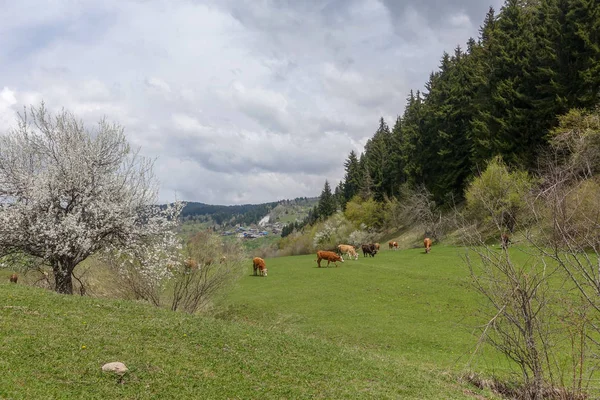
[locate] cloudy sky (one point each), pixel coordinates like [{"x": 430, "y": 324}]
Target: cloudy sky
[{"x": 239, "y": 101}]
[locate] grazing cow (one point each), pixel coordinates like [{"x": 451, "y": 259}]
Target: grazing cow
[
  {"x": 259, "y": 266},
  {"x": 505, "y": 240},
  {"x": 377, "y": 246},
  {"x": 393, "y": 245},
  {"x": 190, "y": 264},
  {"x": 427, "y": 243},
  {"x": 349, "y": 250},
  {"x": 14, "y": 278},
  {"x": 369, "y": 249},
  {"x": 330, "y": 256}
]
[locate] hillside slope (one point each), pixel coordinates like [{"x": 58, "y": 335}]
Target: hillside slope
[{"x": 53, "y": 346}]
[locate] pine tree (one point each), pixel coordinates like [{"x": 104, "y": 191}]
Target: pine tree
[
  {"x": 339, "y": 195},
  {"x": 366, "y": 183},
  {"x": 327, "y": 205},
  {"x": 483, "y": 142},
  {"x": 396, "y": 168},
  {"x": 376, "y": 158},
  {"x": 412, "y": 149},
  {"x": 449, "y": 110},
  {"x": 352, "y": 178},
  {"x": 582, "y": 37},
  {"x": 507, "y": 119}
]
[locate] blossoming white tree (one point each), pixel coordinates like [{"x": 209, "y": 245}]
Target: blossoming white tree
[{"x": 67, "y": 192}]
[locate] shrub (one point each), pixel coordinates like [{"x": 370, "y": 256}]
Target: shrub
[
  {"x": 497, "y": 198},
  {"x": 210, "y": 267},
  {"x": 368, "y": 212}
]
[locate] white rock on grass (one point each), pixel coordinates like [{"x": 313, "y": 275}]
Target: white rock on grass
[{"x": 116, "y": 367}]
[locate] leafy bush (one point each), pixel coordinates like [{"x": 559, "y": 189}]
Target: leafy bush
[
  {"x": 368, "y": 212},
  {"x": 335, "y": 230},
  {"x": 497, "y": 198},
  {"x": 297, "y": 243},
  {"x": 210, "y": 268}
]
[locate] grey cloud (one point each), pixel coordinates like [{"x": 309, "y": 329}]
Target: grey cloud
[
  {"x": 437, "y": 11},
  {"x": 238, "y": 101}
]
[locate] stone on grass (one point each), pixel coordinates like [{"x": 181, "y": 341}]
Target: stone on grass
[{"x": 116, "y": 367}]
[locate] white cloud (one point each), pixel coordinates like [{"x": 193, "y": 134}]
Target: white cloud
[
  {"x": 158, "y": 84},
  {"x": 240, "y": 101},
  {"x": 460, "y": 20},
  {"x": 7, "y": 111}
]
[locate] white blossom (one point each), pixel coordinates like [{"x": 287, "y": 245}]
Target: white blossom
[{"x": 67, "y": 193}]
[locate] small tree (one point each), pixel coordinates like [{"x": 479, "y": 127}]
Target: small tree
[
  {"x": 215, "y": 267},
  {"x": 327, "y": 202},
  {"x": 67, "y": 192},
  {"x": 498, "y": 196},
  {"x": 146, "y": 266},
  {"x": 418, "y": 207},
  {"x": 368, "y": 212},
  {"x": 518, "y": 309}
]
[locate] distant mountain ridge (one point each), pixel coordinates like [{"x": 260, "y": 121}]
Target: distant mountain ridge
[{"x": 245, "y": 214}]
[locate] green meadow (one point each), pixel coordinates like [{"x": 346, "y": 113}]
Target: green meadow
[
  {"x": 405, "y": 304},
  {"x": 397, "y": 326}
]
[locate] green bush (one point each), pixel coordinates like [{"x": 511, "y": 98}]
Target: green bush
[
  {"x": 364, "y": 212},
  {"x": 498, "y": 197}
]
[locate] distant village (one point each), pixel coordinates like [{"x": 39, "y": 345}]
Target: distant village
[{"x": 264, "y": 228}]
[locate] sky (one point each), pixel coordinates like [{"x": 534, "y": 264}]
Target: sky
[{"x": 238, "y": 101}]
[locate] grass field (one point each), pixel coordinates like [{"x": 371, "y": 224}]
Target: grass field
[
  {"x": 405, "y": 304},
  {"x": 397, "y": 326}
]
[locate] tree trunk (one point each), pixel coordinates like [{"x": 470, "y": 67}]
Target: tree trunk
[{"x": 63, "y": 277}]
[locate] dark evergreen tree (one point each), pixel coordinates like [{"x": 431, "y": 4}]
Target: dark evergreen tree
[
  {"x": 483, "y": 142},
  {"x": 338, "y": 195},
  {"x": 449, "y": 110},
  {"x": 327, "y": 205},
  {"x": 582, "y": 37},
  {"x": 507, "y": 118},
  {"x": 396, "y": 164},
  {"x": 413, "y": 153},
  {"x": 376, "y": 159},
  {"x": 366, "y": 183},
  {"x": 352, "y": 178}
]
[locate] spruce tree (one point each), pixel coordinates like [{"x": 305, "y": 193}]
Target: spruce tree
[
  {"x": 366, "y": 183},
  {"x": 396, "y": 171},
  {"x": 327, "y": 205},
  {"x": 507, "y": 119},
  {"x": 352, "y": 178},
  {"x": 413, "y": 151},
  {"x": 376, "y": 158}
]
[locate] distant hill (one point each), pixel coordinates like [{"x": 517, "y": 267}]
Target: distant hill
[{"x": 248, "y": 214}]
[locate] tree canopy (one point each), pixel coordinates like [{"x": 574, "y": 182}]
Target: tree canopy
[
  {"x": 499, "y": 96},
  {"x": 68, "y": 192}
]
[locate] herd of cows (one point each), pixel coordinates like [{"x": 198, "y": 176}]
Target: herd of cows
[{"x": 260, "y": 267}]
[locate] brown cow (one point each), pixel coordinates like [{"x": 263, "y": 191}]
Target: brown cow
[
  {"x": 393, "y": 245},
  {"x": 377, "y": 246},
  {"x": 505, "y": 240},
  {"x": 349, "y": 250},
  {"x": 330, "y": 256},
  {"x": 427, "y": 243},
  {"x": 259, "y": 266},
  {"x": 14, "y": 278},
  {"x": 190, "y": 264}
]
